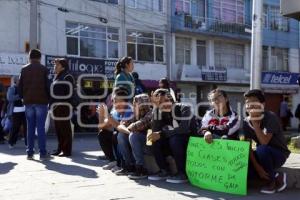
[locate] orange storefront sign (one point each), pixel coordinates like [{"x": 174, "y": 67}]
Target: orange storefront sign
[{"x": 5, "y": 81}]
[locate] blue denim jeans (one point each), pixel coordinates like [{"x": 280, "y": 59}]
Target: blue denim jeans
[
  {"x": 138, "y": 142},
  {"x": 132, "y": 148},
  {"x": 125, "y": 149},
  {"x": 36, "y": 116},
  {"x": 269, "y": 158}
]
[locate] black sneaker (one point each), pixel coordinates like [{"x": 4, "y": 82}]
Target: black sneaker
[
  {"x": 161, "y": 175},
  {"x": 140, "y": 173},
  {"x": 30, "y": 157},
  {"x": 270, "y": 188},
  {"x": 102, "y": 157},
  {"x": 46, "y": 157},
  {"x": 281, "y": 183},
  {"x": 125, "y": 171},
  {"x": 122, "y": 172}
]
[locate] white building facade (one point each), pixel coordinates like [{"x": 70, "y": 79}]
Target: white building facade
[{"x": 88, "y": 32}]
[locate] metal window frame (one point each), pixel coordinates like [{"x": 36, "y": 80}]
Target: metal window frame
[
  {"x": 154, "y": 45},
  {"x": 106, "y": 39}
]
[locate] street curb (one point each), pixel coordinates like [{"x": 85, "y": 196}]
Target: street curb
[{"x": 293, "y": 177}]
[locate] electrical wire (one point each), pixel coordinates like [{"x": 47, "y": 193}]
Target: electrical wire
[{"x": 113, "y": 19}]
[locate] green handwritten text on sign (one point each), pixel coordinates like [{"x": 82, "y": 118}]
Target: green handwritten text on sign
[{"x": 220, "y": 166}]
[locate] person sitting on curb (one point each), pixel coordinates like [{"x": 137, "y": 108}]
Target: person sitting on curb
[
  {"x": 171, "y": 130},
  {"x": 271, "y": 149},
  {"x": 132, "y": 138},
  {"x": 221, "y": 121},
  {"x": 106, "y": 138},
  {"x": 120, "y": 114}
]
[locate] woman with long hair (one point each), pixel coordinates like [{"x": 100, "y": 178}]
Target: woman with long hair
[
  {"x": 62, "y": 112},
  {"x": 221, "y": 121},
  {"x": 123, "y": 73}
]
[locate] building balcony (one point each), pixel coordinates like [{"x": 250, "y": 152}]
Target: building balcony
[
  {"x": 194, "y": 24},
  {"x": 196, "y": 73}
]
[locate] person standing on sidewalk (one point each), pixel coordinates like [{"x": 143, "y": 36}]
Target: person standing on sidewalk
[
  {"x": 2, "y": 105},
  {"x": 61, "y": 113},
  {"x": 297, "y": 115},
  {"x": 124, "y": 78},
  {"x": 271, "y": 150},
  {"x": 16, "y": 110},
  {"x": 284, "y": 113},
  {"x": 34, "y": 89}
]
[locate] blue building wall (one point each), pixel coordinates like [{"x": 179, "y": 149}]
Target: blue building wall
[
  {"x": 281, "y": 39},
  {"x": 277, "y": 38},
  {"x": 179, "y": 24}
]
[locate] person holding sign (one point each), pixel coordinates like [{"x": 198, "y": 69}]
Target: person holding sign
[
  {"x": 221, "y": 121},
  {"x": 171, "y": 131},
  {"x": 271, "y": 150}
]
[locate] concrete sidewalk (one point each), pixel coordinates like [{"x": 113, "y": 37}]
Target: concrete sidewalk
[{"x": 81, "y": 177}]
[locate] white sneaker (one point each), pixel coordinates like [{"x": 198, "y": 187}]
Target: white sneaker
[
  {"x": 161, "y": 175},
  {"x": 115, "y": 168},
  {"x": 109, "y": 165},
  {"x": 181, "y": 178}
]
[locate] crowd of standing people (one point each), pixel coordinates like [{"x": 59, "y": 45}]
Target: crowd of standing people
[{"x": 133, "y": 123}]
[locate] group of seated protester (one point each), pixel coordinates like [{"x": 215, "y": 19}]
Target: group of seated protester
[{"x": 132, "y": 122}]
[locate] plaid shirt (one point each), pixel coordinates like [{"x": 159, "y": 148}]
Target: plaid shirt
[{"x": 142, "y": 122}]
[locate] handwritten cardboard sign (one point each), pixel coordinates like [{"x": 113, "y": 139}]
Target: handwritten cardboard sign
[{"x": 220, "y": 166}]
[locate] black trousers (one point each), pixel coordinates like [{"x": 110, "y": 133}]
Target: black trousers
[
  {"x": 177, "y": 144},
  {"x": 18, "y": 120},
  {"x": 1, "y": 132},
  {"x": 63, "y": 130},
  {"x": 105, "y": 138}
]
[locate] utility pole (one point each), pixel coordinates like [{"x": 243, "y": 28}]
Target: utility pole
[
  {"x": 33, "y": 34},
  {"x": 123, "y": 28},
  {"x": 169, "y": 40},
  {"x": 256, "y": 45}
]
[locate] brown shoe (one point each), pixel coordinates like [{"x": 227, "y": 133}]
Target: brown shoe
[
  {"x": 270, "y": 188},
  {"x": 281, "y": 181}
]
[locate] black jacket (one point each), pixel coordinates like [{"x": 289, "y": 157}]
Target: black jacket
[
  {"x": 34, "y": 84},
  {"x": 60, "y": 89},
  {"x": 170, "y": 125}
]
